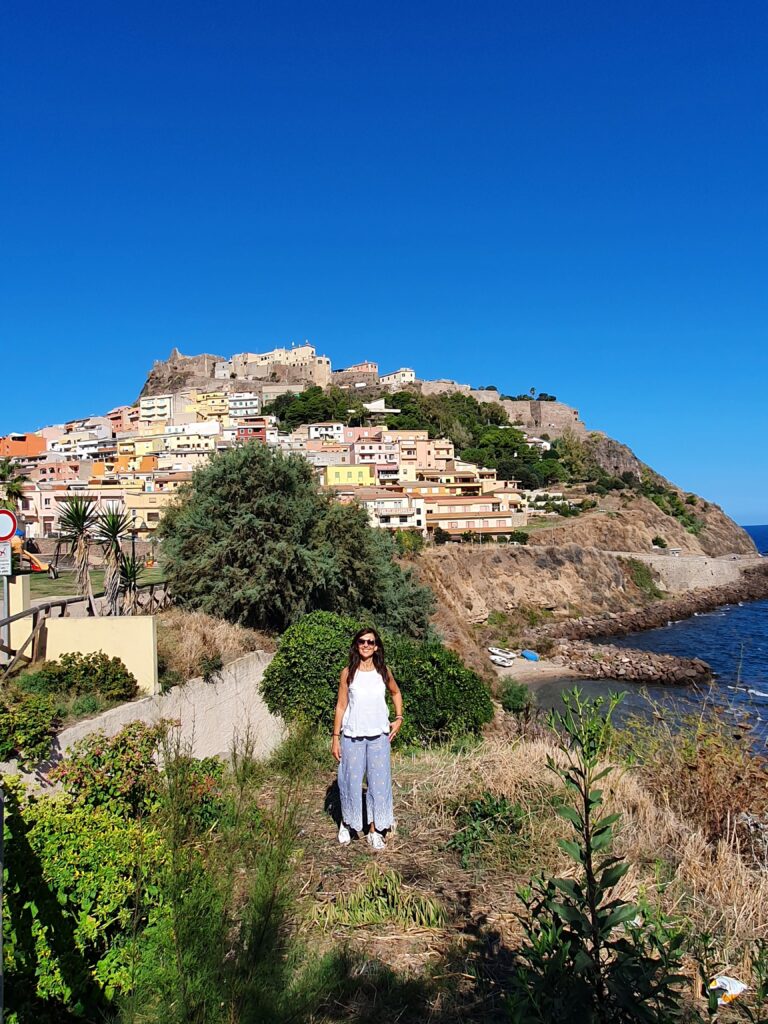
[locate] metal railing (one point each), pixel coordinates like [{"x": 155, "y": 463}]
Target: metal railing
[{"x": 151, "y": 598}]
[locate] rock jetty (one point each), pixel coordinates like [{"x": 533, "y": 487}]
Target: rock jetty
[{"x": 602, "y": 661}]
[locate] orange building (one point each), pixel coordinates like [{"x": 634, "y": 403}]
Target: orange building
[{"x": 22, "y": 446}]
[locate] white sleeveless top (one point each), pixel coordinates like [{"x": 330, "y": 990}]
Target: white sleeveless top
[{"x": 366, "y": 713}]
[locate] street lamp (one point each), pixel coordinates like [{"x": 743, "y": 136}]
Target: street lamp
[{"x": 134, "y": 527}]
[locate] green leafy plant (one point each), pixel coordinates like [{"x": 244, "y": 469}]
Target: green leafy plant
[
  {"x": 442, "y": 697},
  {"x": 409, "y": 543},
  {"x": 27, "y": 724},
  {"x": 119, "y": 773},
  {"x": 382, "y": 898},
  {"x": 76, "y": 674},
  {"x": 440, "y": 536},
  {"x": 658, "y": 542},
  {"x": 482, "y": 821},
  {"x": 516, "y": 697},
  {"x": 80, "y": 884},
  {"x": 641, "y": 575},
  {"x": 591, "y": 957}
]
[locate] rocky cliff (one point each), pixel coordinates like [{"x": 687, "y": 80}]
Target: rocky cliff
[{"x": 178, "y": 371}]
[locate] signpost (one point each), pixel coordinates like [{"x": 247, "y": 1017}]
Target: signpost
[{"x": 8, "y": 526}]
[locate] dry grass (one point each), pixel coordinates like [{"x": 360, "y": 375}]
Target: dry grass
[
  {"x": 709, "y": 886},
  {"x": 190, "y": 644}
]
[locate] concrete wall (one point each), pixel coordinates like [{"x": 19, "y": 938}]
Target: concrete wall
[
  {"x": 132, "y": 638},
  {"x": 18, "y": 601},
  {"x": 212, "y": 715},
  {"x": 689, "y": 572}
]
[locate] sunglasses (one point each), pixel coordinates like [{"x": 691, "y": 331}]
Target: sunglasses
[{"x": 367, "y": 643}]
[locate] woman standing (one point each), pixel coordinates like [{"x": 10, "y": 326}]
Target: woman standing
[{"x": 362, "y": 736}]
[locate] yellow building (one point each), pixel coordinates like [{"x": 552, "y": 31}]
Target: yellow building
[
  {"x": 212, "y": 405},
  {"x": 346, "y": 476}
]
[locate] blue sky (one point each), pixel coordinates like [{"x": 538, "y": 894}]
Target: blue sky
[{"x": 564, "y": 195}]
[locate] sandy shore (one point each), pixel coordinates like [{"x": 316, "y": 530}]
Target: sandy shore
[{"x": 537, "y": 673}]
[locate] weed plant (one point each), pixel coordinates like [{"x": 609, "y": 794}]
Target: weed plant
[
  {"x": 382, "y": 898},
  {"x": 590, "y": 957},
  {"x": 482, "y": 822}
]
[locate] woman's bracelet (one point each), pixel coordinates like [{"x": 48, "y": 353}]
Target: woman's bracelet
[
  {"x": 400, "y": 717},
  {"x": 336, "y": 735}
]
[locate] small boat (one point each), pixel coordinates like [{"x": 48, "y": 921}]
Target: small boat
[
  {"x": 529, "y": 655},
  {"x": 502, "y": 652},
  {"x": 502, "y": 662}
]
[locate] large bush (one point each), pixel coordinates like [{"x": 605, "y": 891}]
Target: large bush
[
  {"x": 254, "y": 541},
  {"x": 441, "y": 696}
]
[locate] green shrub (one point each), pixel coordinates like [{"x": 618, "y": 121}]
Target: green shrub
[
  {"x": 515, "y": 697},
  {"x": 409, "y": 543},
  {"x": 79, "y": 886},
  {"x": 481, "y": 821},
  {"x": 518, "y": 537},
  {"x": 642, "y": 576},
  {"x": 440, "y": 536},
  {"x": 659, "y": 542},
  {"x": 27, "y": 723},
  {"x": 76, "y": 674},
  {"x": 442, "y": 697},
  {"x": 119, "y": 773}
]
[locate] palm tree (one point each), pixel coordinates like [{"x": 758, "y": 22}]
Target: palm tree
[
  {"x": 76, "y": 523},
  {"x": 112, "y": 527},
  {"x": 131, "y": 572},
  {"x": 11, "y": 485}
]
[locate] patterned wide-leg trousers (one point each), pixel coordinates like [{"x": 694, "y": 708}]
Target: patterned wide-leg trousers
[{"x": 367, "y": 756}]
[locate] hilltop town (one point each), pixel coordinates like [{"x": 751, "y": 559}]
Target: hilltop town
[{"x": 135, "y": 457}]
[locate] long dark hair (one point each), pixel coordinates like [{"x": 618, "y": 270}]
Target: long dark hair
[{"x": 378, "y": 656}]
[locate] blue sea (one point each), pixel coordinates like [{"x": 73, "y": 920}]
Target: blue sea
[{"x": 732, "y": 639}]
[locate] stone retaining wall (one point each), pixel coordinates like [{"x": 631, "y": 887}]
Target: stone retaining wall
[{"x": 212, "y": 714}]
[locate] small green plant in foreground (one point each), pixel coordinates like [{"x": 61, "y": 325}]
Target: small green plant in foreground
[
  {"x": 382, "y": 899},
  {"x": 590, "y": 957},
  {"x": 482, "y": 821}
]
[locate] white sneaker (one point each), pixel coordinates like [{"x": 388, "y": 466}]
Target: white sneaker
[
  {"x": 376, "y": 841},
  {"x": 344, "y": 837}
]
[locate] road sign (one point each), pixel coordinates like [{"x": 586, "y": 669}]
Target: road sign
[
  {"x": 8, "y": 524},
  {"x": 6, "y": 560}
]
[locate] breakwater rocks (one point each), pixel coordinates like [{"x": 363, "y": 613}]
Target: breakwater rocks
[
  {"x": 752, "y": 587},
  {"x": 601, "y": 661}
]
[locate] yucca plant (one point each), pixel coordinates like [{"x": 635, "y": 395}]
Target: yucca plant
[
  {"x": 112, "y": 527},
  {"x": 131, "y": 571},
  {"x": 77, "y": 523},
  {"x": 11, "y": 485}
]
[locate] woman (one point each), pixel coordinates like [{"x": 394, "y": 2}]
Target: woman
[{"x": 362, "y": 735}]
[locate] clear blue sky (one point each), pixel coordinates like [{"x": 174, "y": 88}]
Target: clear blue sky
[{"x": 566, "y": 195}]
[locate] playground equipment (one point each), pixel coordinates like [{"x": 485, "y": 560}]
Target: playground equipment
[{"x": 28, "y": 560}]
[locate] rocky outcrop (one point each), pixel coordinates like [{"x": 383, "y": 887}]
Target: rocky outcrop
[
  {"x": 601, "y": 661},
  {"x": 178, "y": 371}
]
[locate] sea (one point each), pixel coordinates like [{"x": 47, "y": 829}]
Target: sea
[{"x": 732, "y": 639}]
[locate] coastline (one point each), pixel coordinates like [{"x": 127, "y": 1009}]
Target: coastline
[
  {"x": 576, "y": 656},
  {"x": 752, "y": 587}
]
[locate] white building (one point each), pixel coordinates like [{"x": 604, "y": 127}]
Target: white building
[
  {"x": 329, "y": 431},
  {"x": 156, "y": 408},
  {"x": 242, "y": 404}
]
